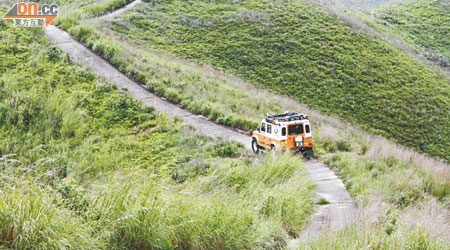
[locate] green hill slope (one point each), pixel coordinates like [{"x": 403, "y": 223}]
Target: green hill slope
[
  {"x": 94, "y": 169},
  {"x": 297, "y": 49},
  {"x": 85, "y": 166},
  {"x": 358, "y": 4},
  {"x": 423, "y": 25}
]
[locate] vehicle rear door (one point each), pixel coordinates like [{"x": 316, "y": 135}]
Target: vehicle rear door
[{"x": 294, "y": 130}]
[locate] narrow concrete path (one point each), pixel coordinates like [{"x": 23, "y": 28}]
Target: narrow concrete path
[
  {"x": 118, "y": 12},
  {"x": 337, "y": 214},
  {"x": 340, "y": 211},
  {"x": 78, "y": 52}
]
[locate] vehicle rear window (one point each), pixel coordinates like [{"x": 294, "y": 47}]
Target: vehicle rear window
[
  {"x": 307, "y": 128},
  {"x": 295, "y": 129},
  {"x": 269, "y": 128},
  {"x": 263, "y": 127},
  {"x": 283, "y": 131}
]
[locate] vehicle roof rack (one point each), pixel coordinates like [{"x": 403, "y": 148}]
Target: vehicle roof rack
[{"x": 285, "y": 116}]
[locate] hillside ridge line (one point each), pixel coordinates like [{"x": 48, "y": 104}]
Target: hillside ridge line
[
  {"x": 359, "y": 25},
  {"x": 340, "y": 211}
]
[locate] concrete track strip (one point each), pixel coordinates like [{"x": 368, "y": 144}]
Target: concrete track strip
[{"x": 338, "y": 213}]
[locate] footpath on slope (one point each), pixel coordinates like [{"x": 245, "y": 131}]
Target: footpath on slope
[{"x": 338, "y": 213}]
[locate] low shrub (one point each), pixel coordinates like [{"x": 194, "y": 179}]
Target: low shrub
[
  {"x": 191, "y": 169},
  {"x": 329, "y": 145},
  {"x": 227, "y": 149},
  {"x": 101, "y": 8},
  {"x": 105, "y": 48},
  {"x": 81, "y": 32},
  {"x": 375, "y": 237},
  {"x": 245, "y": 124},
  {"x": 323, "y": 201},
  {"x": 417, "y": 24},
  {"x": 226, "y": 121},
  {"x": 343, "y": 145},
  {"x": 172, "y": 95},
  {"x": 29, "y": 218}
]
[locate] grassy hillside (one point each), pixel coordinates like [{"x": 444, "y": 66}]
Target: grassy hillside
[
  {"x": 189, "y": 185},
  {"x": 423, "y": 25},
  {"x": 359, "y": 4},
  {"x": 85, "y": 166},
  {"x": 360, "y": 237},
  {"x": 296, "y": 49},
  {"x": 369, "y": 167},
  {"x": 87, "y": 8}
]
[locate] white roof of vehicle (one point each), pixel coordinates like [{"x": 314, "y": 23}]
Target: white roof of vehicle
[{"x": 286, "y": 118}]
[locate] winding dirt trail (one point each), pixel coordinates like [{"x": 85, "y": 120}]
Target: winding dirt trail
[{"x": 338, "y": 213}]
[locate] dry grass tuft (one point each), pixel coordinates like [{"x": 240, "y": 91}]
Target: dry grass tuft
[{"x": 432, "y": 216}]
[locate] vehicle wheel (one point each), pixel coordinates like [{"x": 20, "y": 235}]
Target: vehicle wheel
[
  {"x": 310, "y": 154},
  {"x": 255, "y": 147},
  {"x": 272, "y": 148}
]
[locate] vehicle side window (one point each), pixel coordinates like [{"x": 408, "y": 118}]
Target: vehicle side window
[
  {"x": 283, "y": 131},
  {"x": 269, "y": 128},
  {"x": 263, "y": 127},
  {"x": 307, "y": 129}
]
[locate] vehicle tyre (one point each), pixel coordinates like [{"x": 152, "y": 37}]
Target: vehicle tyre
[
  {"x": 255, "y": 146},
  {"x": 308, "y": 154},
  {"x": 272, "y": 148}
]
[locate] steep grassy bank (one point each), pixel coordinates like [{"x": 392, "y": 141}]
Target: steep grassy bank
[
  {"x": 368, "y": 166},
  {"x": 359, "y": 4},
  {"x": 423, "y": 25},
  {"x": 296, "y": 49},
  {"x": 85, "y": 166},
  {"x": 371, "y": 168},
  {"x": 374, "y": 237},
  {"x": 78, "y": 9},
  {"x": 332, "y": 143}
]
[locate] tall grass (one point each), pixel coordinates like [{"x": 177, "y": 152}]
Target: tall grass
[
  {"x": 85, "y": 166},
  {"x": 375, "y": 237},
  {"x": 227, "y": 105},
  {"x": 371, "y": 167},
  {"x": 302, "y": 52},
  {"x": 214, "y": 211},
  {"x": 394, "y": 180},
  {"x": 179, "y": 83},
  {"x": 31, "y": 218}
]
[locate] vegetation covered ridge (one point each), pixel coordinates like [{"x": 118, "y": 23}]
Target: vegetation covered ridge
[
  {"x": 296, "y": 49},
  {"x": 369, "y": 166},
  {"x": 360, "y": 158},
  {"x": 85, "y": 166},
  {"x": 347, "y": 145},
  {"x": 230, "y": 99},
  {"x": 423, "y": 25}
]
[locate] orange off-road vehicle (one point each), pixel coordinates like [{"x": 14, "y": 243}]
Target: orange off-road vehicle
[{"x": 286, "y": 130}]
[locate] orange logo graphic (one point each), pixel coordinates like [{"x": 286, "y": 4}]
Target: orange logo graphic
[{"x": 30, "y": 15}]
